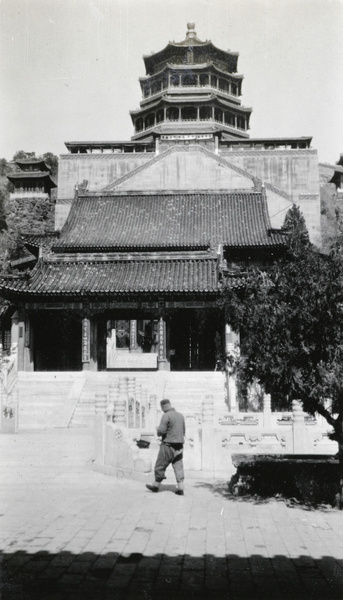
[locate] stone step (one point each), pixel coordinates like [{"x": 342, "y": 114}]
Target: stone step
[{"x": 73, "y": 393}]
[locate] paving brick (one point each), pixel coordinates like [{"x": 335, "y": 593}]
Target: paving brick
[{"x": 91, "y": 536}]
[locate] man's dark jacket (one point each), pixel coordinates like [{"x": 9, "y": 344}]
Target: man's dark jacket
[{"x": 172, "y": 427}]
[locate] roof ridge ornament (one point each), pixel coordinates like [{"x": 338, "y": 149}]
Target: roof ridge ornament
[{"x": 191, "y": 33}]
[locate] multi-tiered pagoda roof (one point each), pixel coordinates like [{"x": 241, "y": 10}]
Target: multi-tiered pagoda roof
[{"x": 191, "y": 87}]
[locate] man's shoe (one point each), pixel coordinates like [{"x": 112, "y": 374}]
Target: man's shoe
[
  {"x": 152, "y": 488},
  {"x": 179, "y": 493}
]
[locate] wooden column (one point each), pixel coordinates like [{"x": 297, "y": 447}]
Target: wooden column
[
  {"x": 14, "y": 328},
  {"x": 162, "y": 361},
  {"x": 133, "y": 335},
  {"x": 28, "y": 345},
  {"x": 21, "y": 340},
  {"x": 86, "y": 344},
  {"x": 93, "y": 345}
]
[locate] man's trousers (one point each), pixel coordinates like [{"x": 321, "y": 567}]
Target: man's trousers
[{"x": 169, "y": 455}]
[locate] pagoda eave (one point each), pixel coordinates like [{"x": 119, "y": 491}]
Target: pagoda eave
[
  {"x": 191, "y": 127},
  {"x": 192, "y": 67},
  {"x": 32, "y": 175},
  {"x": 171, "y": 100},
  {"x": 154, "y": 60},
  {"x": 188, "y": 94}
]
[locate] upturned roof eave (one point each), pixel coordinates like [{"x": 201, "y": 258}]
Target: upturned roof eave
[
  {"x": 45, "y": 176},
  {"x": 158, "y": 56},
  {"x": 192, "y": 67},
  {"x": 181, "y": 99}
]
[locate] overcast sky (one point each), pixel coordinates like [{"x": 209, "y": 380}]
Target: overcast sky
[{"x": 70, "y": 68}]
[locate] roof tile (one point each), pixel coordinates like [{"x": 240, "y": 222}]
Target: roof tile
[
  {"x": 117, "y": 277},
  {"x": 179, "y": 220}
]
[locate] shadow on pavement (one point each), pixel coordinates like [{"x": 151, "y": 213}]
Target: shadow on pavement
[
  {"x": 88, "y": 576},
  {"x": 222, "y": 489}
]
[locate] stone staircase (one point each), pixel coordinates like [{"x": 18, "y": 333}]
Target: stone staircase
[
  {"x": 187, "y": 390},
  {"x": 99, "y": 384},
  {"x": 47, "y": 399},
  {"x": 67, "y": 399}
]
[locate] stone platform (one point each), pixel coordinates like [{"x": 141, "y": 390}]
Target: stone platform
[{"x": 69, "y": 533}]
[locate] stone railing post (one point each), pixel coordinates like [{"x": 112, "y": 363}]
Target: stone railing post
[
  {"x": 152, "y": 412},
  {"x": 299, "y": 428},
  {"x": 138, "y": 407},
  {"x": 119, "y": 412},
  {"x": 123, "y": 402},
  {"x": 113, "y": 396},
  {"x": 232, "y": 392},
  {"x": 144, "y": 407},
  {"x": 131, "y": 401},
  {"x": 100, "y": 427},
  {"x": 207, "y": 438},
  {"x": 131, "y": 387},
  {"x": 267, "y": 411}
]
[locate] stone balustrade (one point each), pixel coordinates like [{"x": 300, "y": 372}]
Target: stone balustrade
[{"x": 211, "y": 440}]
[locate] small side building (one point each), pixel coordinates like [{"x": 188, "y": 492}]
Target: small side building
[{"x": 31, "y": 179}]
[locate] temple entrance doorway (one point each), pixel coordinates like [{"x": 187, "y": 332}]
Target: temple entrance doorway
[
  {"x": 57, "y": 341},
  {"x": 127, "y": 343},
  {"x": 195, "y": 340}
]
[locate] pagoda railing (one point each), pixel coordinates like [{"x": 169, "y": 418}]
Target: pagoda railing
[
  {"x": 189, "y": 87},
  {"x": 209, "y": 119}
]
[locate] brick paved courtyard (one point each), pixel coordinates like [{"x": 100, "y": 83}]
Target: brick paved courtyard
[{"x": 67, "y": 532}]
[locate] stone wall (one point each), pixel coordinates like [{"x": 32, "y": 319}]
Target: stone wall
[
  {"x": 289, "y": 176},
  {"x": 292, "y": 171},
  {"x": 97, "y": 169}
]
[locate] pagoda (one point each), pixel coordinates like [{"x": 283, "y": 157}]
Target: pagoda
[
  {"x": 191, "y": 88},
  {"x": 32, "y": 179}
]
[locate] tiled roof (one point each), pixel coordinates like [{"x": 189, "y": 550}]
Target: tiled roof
[
  {"x": 39, "y": 239},
  {"x": 24, "y": 261},
  {"x": 117, "y": 277},
  {"x": 167, "y": 220},
  {"x": 34, "y": 162},
  {"x": 31, "y": 175},
  {"x": 171, "y": 54}
]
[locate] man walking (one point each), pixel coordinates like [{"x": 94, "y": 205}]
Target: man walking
[{"x": 172, "y": 431}]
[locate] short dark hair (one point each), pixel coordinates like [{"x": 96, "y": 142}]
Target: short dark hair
[{"x": 164, "y": 402}]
